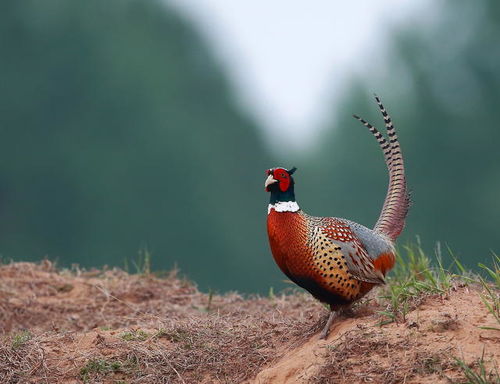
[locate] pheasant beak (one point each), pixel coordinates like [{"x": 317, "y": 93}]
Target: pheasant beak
[{"x": 270, "y": 180}]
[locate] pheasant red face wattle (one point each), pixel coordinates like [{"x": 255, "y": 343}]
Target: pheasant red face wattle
[{"x": 283, "y": 178}]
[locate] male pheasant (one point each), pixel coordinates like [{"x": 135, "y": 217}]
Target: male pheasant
[{"x": 336, "y": 260}]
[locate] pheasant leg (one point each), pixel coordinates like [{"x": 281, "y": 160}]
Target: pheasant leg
[{"x": 331, "y": 318}]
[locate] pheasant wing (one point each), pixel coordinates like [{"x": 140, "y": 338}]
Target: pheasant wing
[{"x": 356, "y": 258}]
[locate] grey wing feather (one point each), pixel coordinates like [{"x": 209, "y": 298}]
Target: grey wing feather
[
  {"x": 360, "y": 265},
  {"x": 374, "y": 242}
]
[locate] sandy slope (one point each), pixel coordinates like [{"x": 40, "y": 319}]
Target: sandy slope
[
  {"x": 418, "y": 351},
  {"x": 111, "y": 327}
]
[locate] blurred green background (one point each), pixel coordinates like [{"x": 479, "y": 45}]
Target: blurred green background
[{"x": 119, "y": 132}]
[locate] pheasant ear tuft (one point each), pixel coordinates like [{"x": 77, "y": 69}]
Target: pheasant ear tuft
[{"x": 292, "y": 171}]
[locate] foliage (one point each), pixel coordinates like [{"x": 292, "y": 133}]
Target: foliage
[
  {"x": 477, "y": 373},
  {"x": 414, "y": 277},
  {"x": 491, "y": 295},
  {"x": 134, "y": 335},
  {"x": 99, "y": 367},
  {"x": 119, "y": 133},
  {"x": 19, "y": 339}
]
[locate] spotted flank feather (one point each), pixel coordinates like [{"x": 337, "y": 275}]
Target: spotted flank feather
[{"x": 331, "y": 265}]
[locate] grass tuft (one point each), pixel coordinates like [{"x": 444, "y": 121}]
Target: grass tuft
[
  {"x": 414, "y": 277},
  {"x": 491, "y": 295},
  {"x": 99, "y": 367},
  {"x": 141, "y": 264},
  {"x": 477, "y": 373},
  {"x": 134, "y": 335},
  {"x": 19, "y": 339},
  {"x": 210, "y": 298}
]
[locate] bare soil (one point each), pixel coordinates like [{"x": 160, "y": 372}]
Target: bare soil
[{"x": 107, "y": 326}]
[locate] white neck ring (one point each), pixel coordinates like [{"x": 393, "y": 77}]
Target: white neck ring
[{"x": 283, "y": 206}]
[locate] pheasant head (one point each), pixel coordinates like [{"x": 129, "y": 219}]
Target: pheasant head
[{"x": 280, "y": 184}]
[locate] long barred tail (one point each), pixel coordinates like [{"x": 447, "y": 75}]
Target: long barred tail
[{"x": 397, "y": 201}]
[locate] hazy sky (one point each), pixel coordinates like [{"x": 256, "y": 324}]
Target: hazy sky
[{"x": 289, "y": 61}]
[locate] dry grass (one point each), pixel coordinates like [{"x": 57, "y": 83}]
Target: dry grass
[
  {"x": 77, "y": 326},
  {"x": 106, "y": 326},
  {"x": 380, "y": 362}
]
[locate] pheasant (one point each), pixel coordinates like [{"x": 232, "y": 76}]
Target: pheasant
[{"x": 337, "y": 260}]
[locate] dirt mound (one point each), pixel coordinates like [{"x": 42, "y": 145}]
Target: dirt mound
[
  {"x": 112, "y": 327},
  {"x": 422, "y": 350}
]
